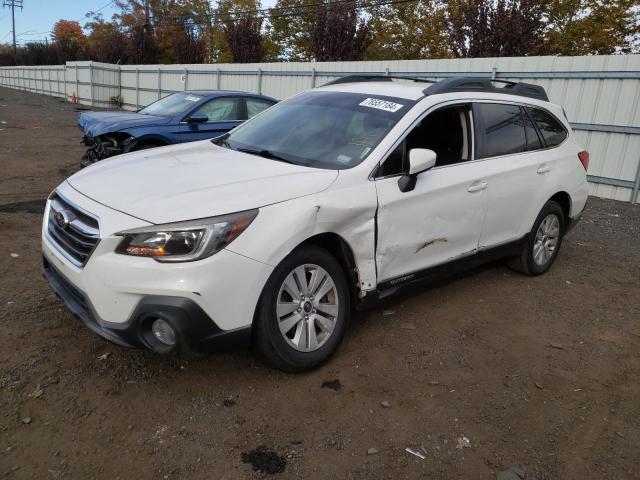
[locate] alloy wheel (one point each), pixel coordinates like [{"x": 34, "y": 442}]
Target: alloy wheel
[
  {"x": 307, "y": 307},
  {"x": 546, "y": 239}
]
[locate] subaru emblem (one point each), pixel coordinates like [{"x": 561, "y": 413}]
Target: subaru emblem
[{"x": 62, "y": 218}]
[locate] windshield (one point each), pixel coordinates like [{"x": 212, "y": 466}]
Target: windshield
[
  {"x": 171, "y": 105},
  {"x": 333, "y": 130}
]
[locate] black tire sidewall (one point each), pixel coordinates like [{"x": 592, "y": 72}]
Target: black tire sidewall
[
  {"x": 268, "y": 329},
  {"x": 550, "y": 207}
]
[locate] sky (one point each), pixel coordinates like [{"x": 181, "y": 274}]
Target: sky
[{"x": 37, "y": 17}]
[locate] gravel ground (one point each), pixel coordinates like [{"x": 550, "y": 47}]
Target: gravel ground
[{"x": 479, "y": 374}]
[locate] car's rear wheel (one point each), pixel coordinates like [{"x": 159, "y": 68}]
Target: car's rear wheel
[
  {"x": 303, "y": 312},
  {"x": 543, "y": 242}
]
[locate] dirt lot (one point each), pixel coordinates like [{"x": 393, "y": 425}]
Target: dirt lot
[{"x": 537, "y": 373}]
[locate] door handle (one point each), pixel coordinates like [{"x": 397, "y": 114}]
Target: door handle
[
  {"x": 544, "y": 169},
  {"x": 476, "y": 187}
]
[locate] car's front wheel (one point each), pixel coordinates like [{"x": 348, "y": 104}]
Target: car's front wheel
[
  {"x": 543, "y": 242},
  {"x": 304, "y": 310}
]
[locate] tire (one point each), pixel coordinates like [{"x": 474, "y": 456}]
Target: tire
[
  {"x": 548, "y": 230},
  {"x": 295, "y": 347}
]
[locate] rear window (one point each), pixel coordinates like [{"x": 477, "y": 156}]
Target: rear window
[
  {"x": 503, "y": 129},
  {"x": 551, "y": 129}
]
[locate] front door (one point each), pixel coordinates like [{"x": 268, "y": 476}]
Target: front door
[{"x": 441, "y": 218}]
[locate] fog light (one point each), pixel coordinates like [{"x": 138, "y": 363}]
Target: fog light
[{"x": 164, "y": 332}]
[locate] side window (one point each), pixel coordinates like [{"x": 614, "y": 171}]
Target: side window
[
  {"x": 533, "y": 139},
  {"x": 551, "y": 129},
  {"x": 221, "y": 109},
  {"x": 256, "y": 105},
  {"x": 503, "y": 129},
  {"x": 446, "y": 131},
  {"x": 394, "y": 164}
]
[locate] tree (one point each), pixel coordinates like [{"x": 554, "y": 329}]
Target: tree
[
  {"x": 106, "y": 42},
  {"x": 244, "y": 38},
  {"x": 291, "y": 23},
  {"x": 240, "y": 32},
  {"x": 411, "y": 30},
  {"x": 69, "y": 39},
  {"x": 141, "y": 46},
  {"x": 501, "y": 28},
  {"x": 587, "y": 27},
  {"x": 339, "y": 33}
]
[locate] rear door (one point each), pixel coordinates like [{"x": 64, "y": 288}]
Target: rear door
[
  {"x": 519, "y": 171},
  {"x": 223, "y": 114}
]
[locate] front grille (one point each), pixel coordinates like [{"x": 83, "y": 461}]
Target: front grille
[{"x": 73, "y": 231}]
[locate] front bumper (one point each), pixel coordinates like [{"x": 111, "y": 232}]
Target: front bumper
[
  {"x": 102, "y": 147},
  {"x": 195, "y": 330},
  {"x": 113, "y": 293}
]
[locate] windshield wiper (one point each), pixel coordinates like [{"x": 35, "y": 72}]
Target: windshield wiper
[{"x": 264, "y": 153}]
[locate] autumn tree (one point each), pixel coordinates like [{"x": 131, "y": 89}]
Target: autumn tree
[
  {"x": 588, "y": 27},
  {"x": 141, "y": 46},
  {"x": 106, "y": 42},
  {"x": 339, "y": 33},
  {"x": 241, "y": 33},
  {"x": 502, "y": 28},
  {"x": 291, "y": 23},
  {"x": 69, "y": 39},
  {"x": 409, "y": 30},
  {"x": 244, "y": 38}
]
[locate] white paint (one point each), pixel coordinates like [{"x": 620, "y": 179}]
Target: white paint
[{"x": 453, "y": 211}]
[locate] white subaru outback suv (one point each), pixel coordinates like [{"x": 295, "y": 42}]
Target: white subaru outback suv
[{"x": 325, "y": 202}]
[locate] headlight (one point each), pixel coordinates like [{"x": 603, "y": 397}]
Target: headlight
[{"x": 185, "y": 241}]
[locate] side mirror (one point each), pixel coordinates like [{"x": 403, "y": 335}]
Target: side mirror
[
  {"x": 197, "y": 118},
  {"x": 420, "y": 159}
]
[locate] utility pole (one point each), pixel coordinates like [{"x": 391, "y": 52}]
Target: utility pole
[
  {"x": 12, "y": 4},
  {"x": 146, "y": 14}
]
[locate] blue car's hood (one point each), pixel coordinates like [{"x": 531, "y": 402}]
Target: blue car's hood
[{"x": 98, "y": 123}]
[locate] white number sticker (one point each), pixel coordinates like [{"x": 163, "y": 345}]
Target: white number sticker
[
  {"x": 381, "y": 104},
  {"x": 192, "y": 98}
]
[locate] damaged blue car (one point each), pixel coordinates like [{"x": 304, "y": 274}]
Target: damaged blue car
[{"x": 176, "y": 118}]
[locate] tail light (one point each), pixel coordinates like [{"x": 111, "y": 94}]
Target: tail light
[{"x": 583, "y": 156}]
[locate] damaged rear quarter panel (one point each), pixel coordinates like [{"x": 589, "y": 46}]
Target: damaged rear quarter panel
[{"x": 347, "y": 210}]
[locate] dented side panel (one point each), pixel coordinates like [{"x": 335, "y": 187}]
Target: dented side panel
[
  {"x": 438, "y": 221},
  {"x": 348, "y": 211}
]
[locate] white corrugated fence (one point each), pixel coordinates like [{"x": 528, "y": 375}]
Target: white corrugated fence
[{"x": 600, "y": 94}]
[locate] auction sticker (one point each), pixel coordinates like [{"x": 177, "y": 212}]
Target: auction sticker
[
  {"x": 192, "y": 98},
  {"x": 381, "y": 104}
]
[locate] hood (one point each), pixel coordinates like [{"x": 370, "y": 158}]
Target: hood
[
  {"x": 98, "y": 123},
  {"x": 195, "y": 180}
]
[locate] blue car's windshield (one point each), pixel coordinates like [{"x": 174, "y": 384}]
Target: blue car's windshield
[
  {"x": 171, "y": 105},
  {"x": 323, "y": 129}
]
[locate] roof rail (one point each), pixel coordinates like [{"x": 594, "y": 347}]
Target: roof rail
[
  {"x": 456, "y": 84},
  {"x": 474, "y": 84},
  {"x": 374, "y": 78}
]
